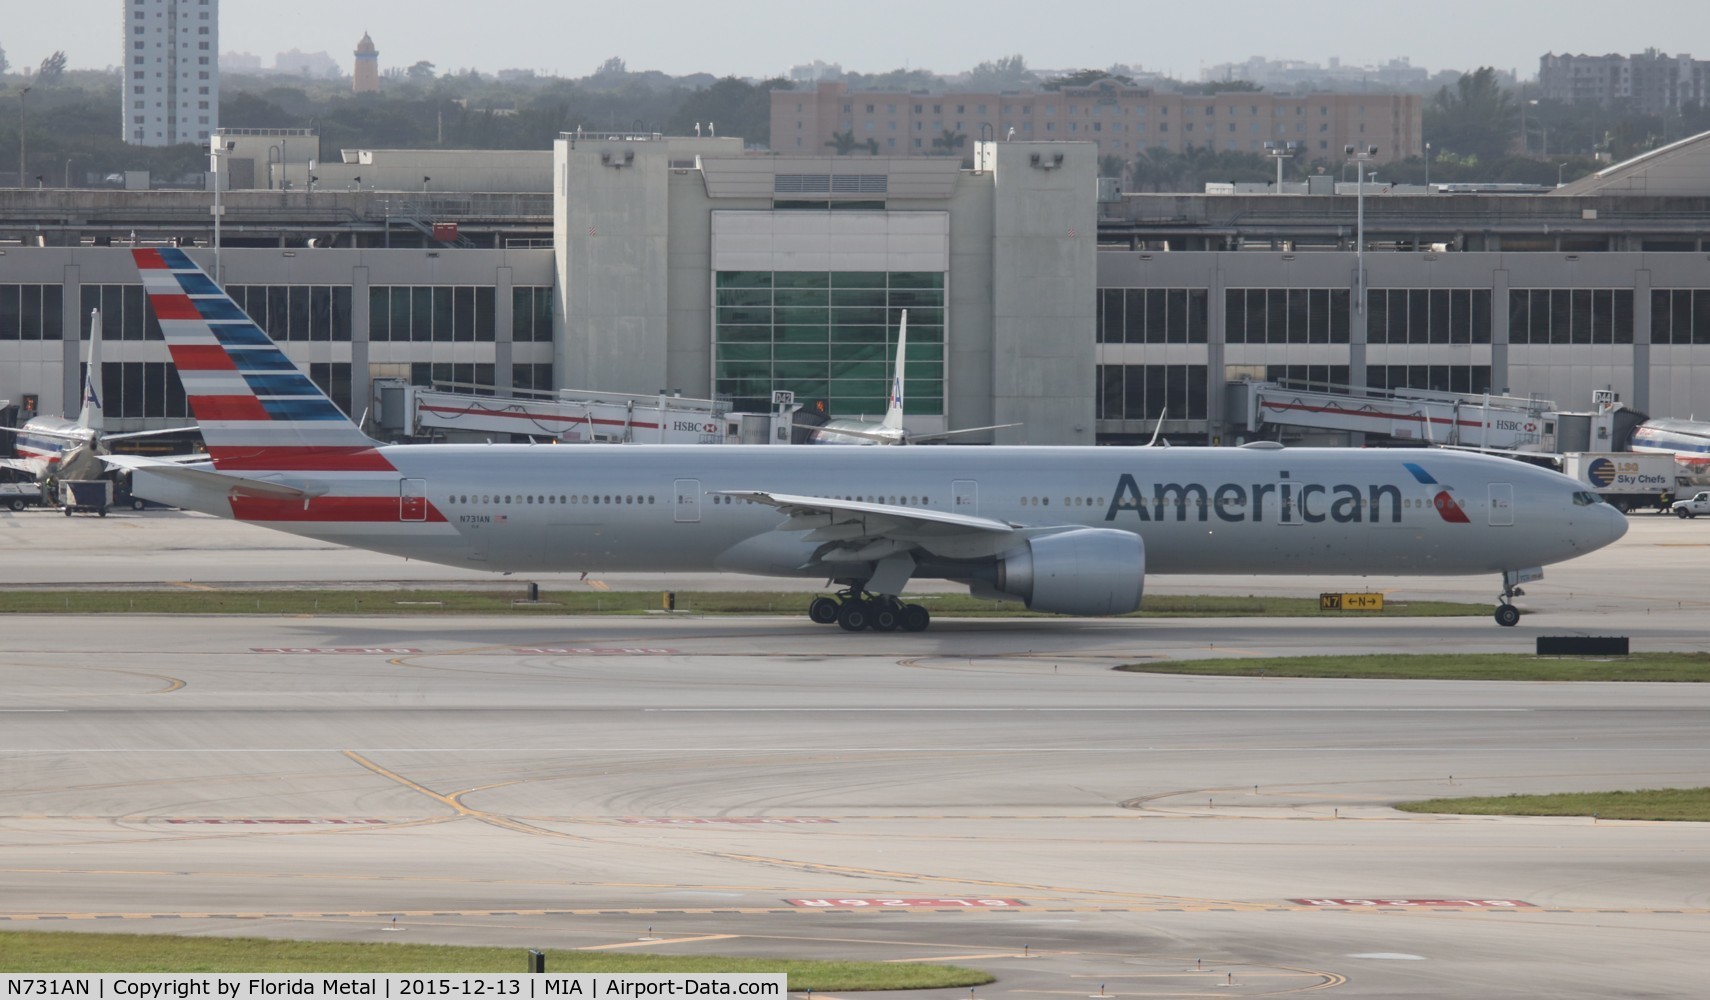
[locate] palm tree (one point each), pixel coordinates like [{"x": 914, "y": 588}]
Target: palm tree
[
  {"x": 949, "y": 141},
  {"x": 1111, "y": 165},
  {"x": 844, "y": 142}
]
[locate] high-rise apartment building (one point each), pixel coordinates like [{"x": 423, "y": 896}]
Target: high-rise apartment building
[
  {"x": 1649, "y": 82},
  {"x": 172, "y": 71},
  {"x": 1123, "y": 120}
]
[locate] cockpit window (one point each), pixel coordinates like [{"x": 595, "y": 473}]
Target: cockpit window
[{"x": 1586, "y": 498}]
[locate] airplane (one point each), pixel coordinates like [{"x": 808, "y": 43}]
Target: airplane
[
  {"x": 1687, "y": 440},
  {"x": 890, "y": 430},
  {"x": 1072, "y": 530},
  {"x": 56, "y": 448}
]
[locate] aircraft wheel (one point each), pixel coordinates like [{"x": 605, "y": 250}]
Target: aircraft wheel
[
  {"x": 1507, "y": 615},
  {"x": 854, "y": 616},
  {"x": 915, "y": 618},
  {"x": 823, "y": 611},
  {"x": 887, "y": 617}
]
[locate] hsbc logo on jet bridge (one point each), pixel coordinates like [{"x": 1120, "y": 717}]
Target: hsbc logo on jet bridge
[{"x": 1285, "y": 501}]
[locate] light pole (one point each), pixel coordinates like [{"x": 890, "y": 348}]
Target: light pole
[
  {"x": 23, "y": 131},
  {"x": 68, "y": 173},
  {"x": 1559, "y": 168},
  {"x": 1427, "y": 168},
  {"x": 1360, "y": 157},
  {"x": 218, "y": 149},
  {"x": 1280, "y": 152}
]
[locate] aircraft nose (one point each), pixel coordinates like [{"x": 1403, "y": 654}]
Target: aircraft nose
[{"x": 1614, "y": 525}]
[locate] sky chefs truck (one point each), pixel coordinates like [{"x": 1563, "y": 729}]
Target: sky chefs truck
[{"x": 1627, "y": 480}]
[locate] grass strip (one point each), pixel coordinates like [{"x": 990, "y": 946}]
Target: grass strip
[
  {"x": 1678, "y": 667},
  {"x": 1691, "y": 805},
  {"x": 63, "y": 951},
  {"x": 488, "y": 601}
]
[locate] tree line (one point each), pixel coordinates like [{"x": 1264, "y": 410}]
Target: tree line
[{"x": 1477, "y": 129}]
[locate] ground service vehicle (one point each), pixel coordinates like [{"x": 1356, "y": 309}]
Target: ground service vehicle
[
  {"x": 17, "y": 496},
  {"x": 1692, "y": 506},
  {"x": 91, "y": 496},
  {"x": 1625, "y": 480}
]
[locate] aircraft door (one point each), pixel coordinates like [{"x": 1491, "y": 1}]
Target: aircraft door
[
  {"x": 965, "y": 497},
  {"x": 412, "y": 499},
  {"x": 1501, "y": 505},
  {"x": 687, "y": 505}
]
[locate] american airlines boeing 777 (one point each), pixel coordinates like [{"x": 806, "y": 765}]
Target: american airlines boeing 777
[{"x": 1068, "y": 530}]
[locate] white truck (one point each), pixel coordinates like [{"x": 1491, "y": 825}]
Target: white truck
[
  {"x": 1692, "y": 506},
  {"x": 1627, "y": 480}
]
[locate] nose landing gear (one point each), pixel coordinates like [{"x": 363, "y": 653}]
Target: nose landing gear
[{"x": 1507, "y": 615}]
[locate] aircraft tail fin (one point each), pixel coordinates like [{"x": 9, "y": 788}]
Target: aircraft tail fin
[
  {"x": 894, "y": 410},
  {"x": 90, "y": 415},
  {"x": 256, "y": 409}
]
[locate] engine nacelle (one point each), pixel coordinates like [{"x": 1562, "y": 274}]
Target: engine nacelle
[{"x": 1088, "y": 571}]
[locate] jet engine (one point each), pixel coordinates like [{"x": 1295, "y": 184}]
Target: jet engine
[{"x": 1088, "y": 571}]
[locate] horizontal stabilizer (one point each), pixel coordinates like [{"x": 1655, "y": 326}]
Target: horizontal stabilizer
[{"x": 208, "y": 479}]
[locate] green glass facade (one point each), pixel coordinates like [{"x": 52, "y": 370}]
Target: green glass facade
[{"x": 828, "y": 335}]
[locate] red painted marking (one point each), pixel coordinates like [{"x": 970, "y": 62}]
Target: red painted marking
[
  {"x": 298, "y": 458},
  {"x": 173, "y": 306},
  {"x": 545, "y": 418},
  {"x": 904, "y": 901},
  {"x": 201, "y": 358},
  {"x": 1451, "y": 511},
  {"x": 1343, "y": 411},
  {"x": 342, "y": 650},
  {"x": 277, "y": 822},
  {"x": 700, "y": 820},
  {"x": 368, "y": 510},
  {"x": 1475, "y": 904},
  {"x": 148, "y": 259},
  {"x": 228, "y": 407},
  {"x": 590, "y": 651}
]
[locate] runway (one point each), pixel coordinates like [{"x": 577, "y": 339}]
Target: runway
[{"x": 988, "y": 793}]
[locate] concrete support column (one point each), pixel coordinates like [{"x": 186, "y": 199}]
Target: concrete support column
[
  {"x": 1044, "y": 288},
  {"x": 1641, "y": 341}
]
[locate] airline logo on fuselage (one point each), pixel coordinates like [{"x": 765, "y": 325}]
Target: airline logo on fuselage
[{"x": 1284, "y": 501}]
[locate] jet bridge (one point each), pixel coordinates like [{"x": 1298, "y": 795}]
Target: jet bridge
[
  {"x": 573, "y": 416},
  {"x": 1496, "y": 422}
]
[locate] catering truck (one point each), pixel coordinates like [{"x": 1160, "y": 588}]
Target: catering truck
[{"x": 1627, "y": 480}]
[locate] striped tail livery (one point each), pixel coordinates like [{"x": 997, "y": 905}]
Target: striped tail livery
[{"x": 257, "y": 411}]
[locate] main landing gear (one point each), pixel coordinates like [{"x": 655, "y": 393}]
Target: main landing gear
[{"x": 854, "y": 611}]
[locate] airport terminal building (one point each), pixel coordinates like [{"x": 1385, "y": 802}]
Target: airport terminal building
[{"x": 641, "y": 263}]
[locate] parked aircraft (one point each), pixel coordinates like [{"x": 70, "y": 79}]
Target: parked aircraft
[
  {"x": 1068, "y": 530},
  {"x": 56, "y": 448},
  {"x": 1687, "y": 440},
  {"x": 890, "y": 430}
]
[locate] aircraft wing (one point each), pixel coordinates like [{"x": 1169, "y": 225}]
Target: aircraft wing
[
  {"x": 222, "y": 482},
  {"x": 159, "y": 430},
  {"x": 935, "y": 435},
  {"x": 33, "y": 466},
  {"x": 858, "y": 531}
]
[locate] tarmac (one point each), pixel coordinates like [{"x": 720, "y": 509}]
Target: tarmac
[{"x": 988, "y": 793}]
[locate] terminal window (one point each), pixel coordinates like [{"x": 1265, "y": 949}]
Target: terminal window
[{"x": 828, "y": 335}]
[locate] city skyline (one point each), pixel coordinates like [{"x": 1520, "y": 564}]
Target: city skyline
[{"x": 765, "y": 38}]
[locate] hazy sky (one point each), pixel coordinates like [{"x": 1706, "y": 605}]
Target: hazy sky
[{"x": 765, "y": 37}]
